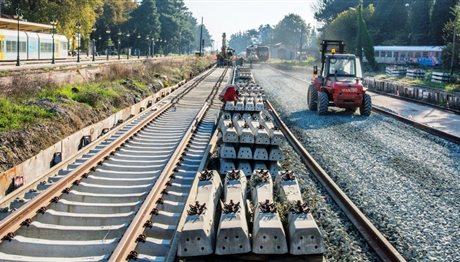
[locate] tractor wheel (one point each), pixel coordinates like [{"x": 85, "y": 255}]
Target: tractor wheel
[
  {"x": 312, "y": 98},
  {"x": 366, "y": 107},
  {"x": 323, "y": 103}
]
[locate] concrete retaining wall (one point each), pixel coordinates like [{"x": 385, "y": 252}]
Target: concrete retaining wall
[
  {"x": 31, "y": 79},
  {"x": 433, "y": 96},
  {"x": 40, "y": 163}
]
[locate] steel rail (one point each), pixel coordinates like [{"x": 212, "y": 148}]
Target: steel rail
[
  {"x": 20, "y": 192},
  {"x": 421, "y": 102},
  {"x": 127, "y": 244},
  {"x": 371, "y": 234},
  {"x": 24, "y": 215},
  {"x": 426, "y": 128}
]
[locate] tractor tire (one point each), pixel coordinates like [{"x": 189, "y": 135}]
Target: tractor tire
[
  {"x": 323, "y": 103},
  {"x": 312, "y": 98},
  {"x": 366, "y": 107}
]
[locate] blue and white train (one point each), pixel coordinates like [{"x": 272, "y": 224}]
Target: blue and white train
[
  {"x": 32, "y": 46},
  {"x": 423, "y": 55}
]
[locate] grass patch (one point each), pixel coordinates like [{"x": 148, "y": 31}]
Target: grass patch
[
  {"x": 110, "y": 93},
  {"x": 91, "y": 94},
  {"x": 14, "y": 115}
]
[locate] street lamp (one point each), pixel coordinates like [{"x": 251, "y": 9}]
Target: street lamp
[
  {"x": 129, "y": 43},
  {"x": 148, "y": 43},
  {"x": 180, "y": 43},
  {"x": 53, "y": 23},
  {"x": 138, "y": 47},
  {"x": 119, "y": 35},
  {"x": 18, "y": 16},
  {"x": 78, "y": 41},
  {"x": 107, "y": 31},
  {"x": 409, "y": 23},
  {"x": 93, "y": 41}
]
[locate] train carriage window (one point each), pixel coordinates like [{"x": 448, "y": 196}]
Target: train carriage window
[
  {"x": 11, "y": 46},
  {"x": 395, "y": 54},
  {"x": 403, "y": 54},
  {"x": 377, "y": 54},
  {"x": 2, "y": 45},
  {"x": 46, "y": 47},
  {"x": 417, "y": 54},
  {"x": 23, "y": 47},
  {"x": 425, "y": 54}
]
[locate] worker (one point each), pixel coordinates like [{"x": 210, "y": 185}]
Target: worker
[{"x": 230, "y": 93}]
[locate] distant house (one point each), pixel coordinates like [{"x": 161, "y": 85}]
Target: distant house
[{"x": 281, "y": 51}]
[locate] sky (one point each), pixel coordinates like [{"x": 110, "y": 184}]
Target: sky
[{"x": 232, "y": 16}]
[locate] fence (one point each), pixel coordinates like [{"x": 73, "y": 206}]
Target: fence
[{"x": 428, "y": 95}]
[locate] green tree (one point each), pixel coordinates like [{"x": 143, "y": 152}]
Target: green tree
[
  {"x": 265, "y": 34},
  {"x": 206, "y": 37},
  {"x": 451, "y": 27},
  {"x": 388, "y": 22},
  {"x": 67, "y": 13},
  {"x": 351, "y": 27},
  {"x": 170, "y": 24},
  {"x": 290, "y": 30},
  {"x": 143, "y": 21},
  {"x": 440, "y": 15},
  {"x": 328, "y": 10},
  {"x": 419, "y": 24},
  {"x": 364, "y": 40},
  {"x": 240, "y": 41}
]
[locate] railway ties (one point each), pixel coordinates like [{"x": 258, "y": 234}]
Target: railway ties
[
  {"x": 152, "y": 234},
  {"x": 87, "y": 220}
]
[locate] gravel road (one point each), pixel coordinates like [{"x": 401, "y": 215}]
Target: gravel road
[{"x": 405, "y": 180}]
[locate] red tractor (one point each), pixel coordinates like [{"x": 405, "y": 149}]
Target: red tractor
[{"x": 339, "y": 83}]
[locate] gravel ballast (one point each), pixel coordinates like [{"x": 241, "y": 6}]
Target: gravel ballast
[{"x": 405, "y": 180}]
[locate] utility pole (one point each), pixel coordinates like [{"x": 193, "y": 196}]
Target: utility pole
[
  {"x": 300, "y": 46},
  {"x": 201, "y": 36},
  {"x": 453, "y": 52}
]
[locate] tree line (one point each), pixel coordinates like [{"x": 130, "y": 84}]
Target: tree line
[
  {"x": 389, "y": 22},
  {"x": 363, "y": 24},
  {"x": 292, "y": 31},
  {"x": 133, "y": 23}
]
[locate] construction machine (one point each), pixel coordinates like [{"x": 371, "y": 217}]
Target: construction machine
[
  {"x": 339, "y": 83},
  {"x": 224, "y": 58}
]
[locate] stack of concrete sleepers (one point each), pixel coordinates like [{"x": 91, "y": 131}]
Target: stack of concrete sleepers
[{"x": 250, "y": 140}]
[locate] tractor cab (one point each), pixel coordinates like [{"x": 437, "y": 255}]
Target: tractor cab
[
  {"x": 339, "y": 81},
  {"x": 343, "y": 67}
]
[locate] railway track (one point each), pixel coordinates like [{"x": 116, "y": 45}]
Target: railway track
[
  {"x": 153, "y": 234},
  {"x": 421, "y": 126},
  {"x": 371, "y": 234},
  {"x": 25, "y": 193},
  {"x": 105, "y": 198}
]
